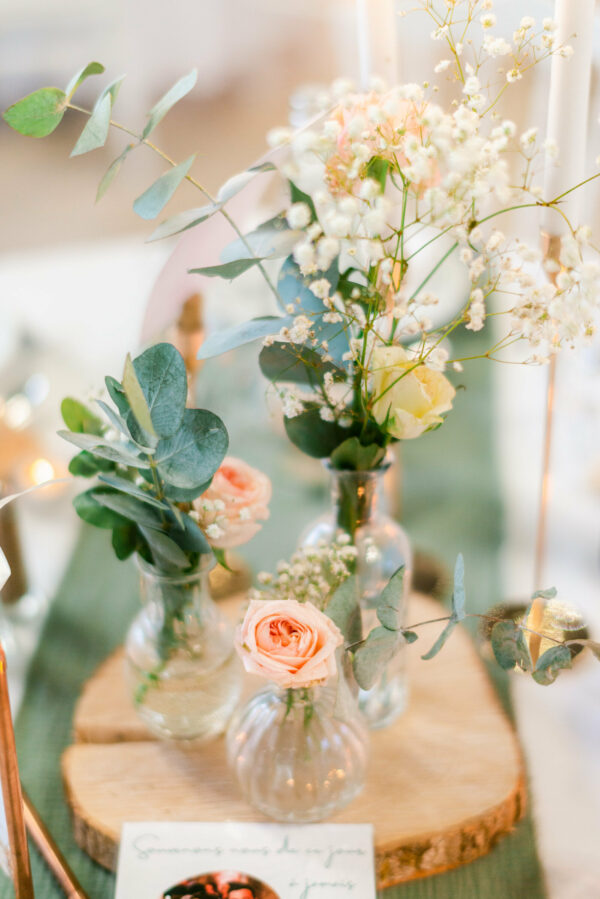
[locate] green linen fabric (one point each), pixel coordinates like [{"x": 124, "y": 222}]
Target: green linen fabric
[{"x": 451, "y": 503}]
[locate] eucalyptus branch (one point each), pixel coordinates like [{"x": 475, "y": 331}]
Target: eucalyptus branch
[{"x": 205, "y": 192}]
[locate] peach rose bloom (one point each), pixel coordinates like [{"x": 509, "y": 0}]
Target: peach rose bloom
[
  {"x": 233, "y": 505},
  {"x": 290, "y": 642}
]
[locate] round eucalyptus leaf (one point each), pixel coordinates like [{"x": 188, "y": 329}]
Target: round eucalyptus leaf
[
  {"x": 191, "y": 456},
  {"x": 161, "y": 374}
]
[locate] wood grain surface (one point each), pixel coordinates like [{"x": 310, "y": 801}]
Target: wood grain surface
[{"x": 445, "y": 780}]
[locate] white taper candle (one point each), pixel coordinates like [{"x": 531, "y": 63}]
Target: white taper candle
[
  {"x": 377, "y": 37},
  {"x": 568, "y": 107}
]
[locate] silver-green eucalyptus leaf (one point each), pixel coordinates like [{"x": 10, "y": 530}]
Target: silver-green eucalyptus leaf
[
  {"x": 112, "y": 171},
  {"x": 183, "y": 221},
  {"x": 441, "y": 640},
  {"x": 151, "y": 203},
  {"x": 375, "y": 654},
  {"x": 344, "y": 610},
  {"x": 92, "y": 68},
  {"x": 238, "y": 335},
  {"x": 228, "y": 270},
  {"x": 96, "y": 128},
  {"x": 239, "y": 181},
  {"x": 179, "y": 90},
  {"x": 132, "y": 489},
  {"x": 550, "y": 663},
  {"x": 390, "y": 601},
  {"x": 113, "y": 451},
  {"x": 458, "y": 595},
  {"x": 161, "y": 376}
]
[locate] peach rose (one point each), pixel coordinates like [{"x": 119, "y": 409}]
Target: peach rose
[
  {"x": 237, "y": 499},
  {"x": 290, "y": 642}
]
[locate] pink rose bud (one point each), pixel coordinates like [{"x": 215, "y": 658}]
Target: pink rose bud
[
  {"x": 290, "y": 642},
  {"x": 237, "y": 499}
]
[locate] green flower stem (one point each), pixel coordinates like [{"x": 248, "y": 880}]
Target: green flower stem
[{"x": 354, "y": 502}]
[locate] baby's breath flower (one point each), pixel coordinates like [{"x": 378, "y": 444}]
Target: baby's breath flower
[{"x": 298, "y": 215}]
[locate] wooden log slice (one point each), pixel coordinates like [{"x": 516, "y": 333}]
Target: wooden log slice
[{"x": 446, "y": 779}]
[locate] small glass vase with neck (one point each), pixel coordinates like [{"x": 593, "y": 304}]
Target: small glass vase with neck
[
  {"x": 184, "y": 674},
  {"x": 358, "y": 509},
  {"x": 300, "y": 754}
]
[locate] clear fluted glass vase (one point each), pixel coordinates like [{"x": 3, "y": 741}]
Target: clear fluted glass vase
[
  {"x": 184, "y": 674},
  {"x": 358, "y": 508},
  {"x": 299, "y": 755}
]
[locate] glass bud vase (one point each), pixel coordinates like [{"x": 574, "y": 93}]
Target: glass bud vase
[
  {"x": 299, "y": 755},
  {"x": 184, "y": 674},
  {"x": 358, "y": 509}
]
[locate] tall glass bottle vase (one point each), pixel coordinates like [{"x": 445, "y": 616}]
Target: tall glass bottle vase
[
  {"x": 183, "y": 671},
  {"x": 358, "y": 509},
  {"x": 299, "y": 755}
]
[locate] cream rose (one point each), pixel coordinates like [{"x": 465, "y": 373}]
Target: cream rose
[
  {"x": 290, "y": 642},
  {"x": 237, "y": 499},
  {"x": 414, "y": 402}
]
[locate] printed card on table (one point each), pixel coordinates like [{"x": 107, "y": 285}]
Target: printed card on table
[{"x": 246, "y": 861}]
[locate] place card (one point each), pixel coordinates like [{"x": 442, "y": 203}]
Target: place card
[{"x": 246, "y": 861}]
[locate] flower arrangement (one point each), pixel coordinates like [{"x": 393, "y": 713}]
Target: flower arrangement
[
  {"x": 385, "y": 189},
  {"x": 382, "y": 193},
  {"x": 165, "y": 486}
]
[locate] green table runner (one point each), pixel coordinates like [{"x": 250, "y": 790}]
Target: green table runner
[{"x": 451, "y": 503}]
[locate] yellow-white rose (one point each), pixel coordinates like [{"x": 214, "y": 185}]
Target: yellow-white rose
[{"x": 414, "y": 402}]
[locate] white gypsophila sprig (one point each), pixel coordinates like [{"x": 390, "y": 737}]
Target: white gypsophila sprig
[{"x": 312, "y": 574}]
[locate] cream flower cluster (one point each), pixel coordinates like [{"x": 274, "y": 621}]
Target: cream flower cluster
[{"x": 311, "y": 575}]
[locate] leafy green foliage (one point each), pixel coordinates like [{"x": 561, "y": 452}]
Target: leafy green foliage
[
  {"x": 173, "y": 96},
  {"x": 132, "y": 489},
  {"x": 545, "y": 594},
  {"x": 162, "y": 379},
  {"x": 79, "y": 418},
  {"x": 377, "y": 168},
  {"x": 90, "y": 509},
  {"x": 510, "y": 646},
  {"x": 38, "y": 114},
  {"x": 151, "y": 203},
  {"x": 271, "y": 240},
  {"x": 297, "y": 364},
  {"x": 372, "y": 658},
  {"x": 96, "y": 128},
  {"x": 86, "y": 465},
  {"x": 441, "y": 640},
  {"x": 238, "y": 182},
  {"x": 344, "y": 610},
  {"x": 388, "y": 605},
  {"x": 184, "y": 220},
  {"x": 231, "y": 338},
  {"x": 550, "y": 663},
  {"x": 228, "y": 270},
  {"x": 351, "y": 455},
  {"x": 112, "y": 171},
  {"x": 92, "y": 68},
  {"x": 458, "y": 594},
  {"x": 168, "y": 455},
  {"x": 312, "y": 435},
  {"x": 458, "y": 608},
  {"x": 106, "y": 449},
  {"x": 192, "y": 455}
]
